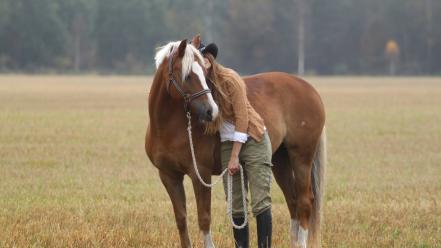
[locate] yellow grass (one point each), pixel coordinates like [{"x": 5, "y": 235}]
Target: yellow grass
[{"x": 73, "y": 172}]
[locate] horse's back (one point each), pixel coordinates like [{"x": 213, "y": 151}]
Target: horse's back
[{"x": 291, "y": 107}]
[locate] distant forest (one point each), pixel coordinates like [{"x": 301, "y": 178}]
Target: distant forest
[{"x": 115, "y": 36}]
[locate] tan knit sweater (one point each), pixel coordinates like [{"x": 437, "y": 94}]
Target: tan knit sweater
[{"x": 239, "y": 110}]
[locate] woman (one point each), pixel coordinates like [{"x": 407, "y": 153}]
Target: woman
[{"x": 245, "y": 141}]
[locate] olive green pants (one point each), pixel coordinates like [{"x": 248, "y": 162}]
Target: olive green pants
[{"x": 255, "y": 158}]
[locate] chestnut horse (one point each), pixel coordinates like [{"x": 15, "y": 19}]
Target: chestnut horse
[{"x": 294, "y": 116}]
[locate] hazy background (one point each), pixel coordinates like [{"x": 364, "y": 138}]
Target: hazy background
[
  {"x": 73, "y": 170},
  {"x": 114, "y": 36}
]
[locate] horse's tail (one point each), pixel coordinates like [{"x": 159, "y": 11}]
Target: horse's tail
[{"x": 318, "y": 188}]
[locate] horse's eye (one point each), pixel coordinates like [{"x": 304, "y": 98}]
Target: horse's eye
[{"x": 187, "y": 77}]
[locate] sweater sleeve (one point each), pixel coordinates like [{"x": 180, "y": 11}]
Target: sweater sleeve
[{"x": 239, "y": 104}]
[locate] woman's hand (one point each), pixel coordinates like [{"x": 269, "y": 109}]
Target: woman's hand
[{"x": 233, "y": 165}]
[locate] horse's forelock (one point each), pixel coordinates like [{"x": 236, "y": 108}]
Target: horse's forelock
[{"x": 191, "y": 53}]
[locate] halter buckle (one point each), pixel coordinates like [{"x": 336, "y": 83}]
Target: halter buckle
[{"x": 187, "y": 97}]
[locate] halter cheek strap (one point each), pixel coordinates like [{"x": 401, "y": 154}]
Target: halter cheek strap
[{"x": 188, "y": 98}]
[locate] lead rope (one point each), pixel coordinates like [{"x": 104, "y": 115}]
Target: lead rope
[{"x": 229, "y": 182}]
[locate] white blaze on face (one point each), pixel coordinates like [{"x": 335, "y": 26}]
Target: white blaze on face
[{"x": 197, "y": 69}]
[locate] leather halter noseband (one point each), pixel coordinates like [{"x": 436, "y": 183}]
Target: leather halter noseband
[{"x": 188, "y": 98}]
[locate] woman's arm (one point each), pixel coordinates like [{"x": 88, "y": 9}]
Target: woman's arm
[
  {"x": 239, "y": 104},
  {"x": 238, "y": 94}
]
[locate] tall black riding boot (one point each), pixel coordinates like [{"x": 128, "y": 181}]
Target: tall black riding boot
[
  {"x": 241, "y": 236},
  {"x": 264, "y": 229}
]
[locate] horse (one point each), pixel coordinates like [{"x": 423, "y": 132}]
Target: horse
[{"x": 294, "y": 117}]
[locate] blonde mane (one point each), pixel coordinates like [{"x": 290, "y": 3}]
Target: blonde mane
[{"x": 189, "y": 56}]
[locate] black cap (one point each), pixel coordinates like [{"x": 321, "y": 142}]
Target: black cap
[{"x": 210, "y": 48}]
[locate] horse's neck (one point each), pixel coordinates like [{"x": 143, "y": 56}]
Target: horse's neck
[{"x": 163, "y": 109}]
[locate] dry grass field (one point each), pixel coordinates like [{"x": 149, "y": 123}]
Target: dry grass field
[{"x": 73, "y": 172}]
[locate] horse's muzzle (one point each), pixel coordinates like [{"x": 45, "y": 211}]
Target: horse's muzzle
[{"x": 204, "y": 112}]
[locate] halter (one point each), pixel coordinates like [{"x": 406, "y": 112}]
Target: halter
[{"x": 188, "y": 98}]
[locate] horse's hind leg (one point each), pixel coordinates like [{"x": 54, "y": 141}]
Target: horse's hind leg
[
  {"x": 203, "y": 201},
  {"x": 301, "y": 161},
  {"x": 175, "y": 188},
  {"x": 284, "y": 175}
]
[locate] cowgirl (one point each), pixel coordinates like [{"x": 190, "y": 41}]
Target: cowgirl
[{"x": 245, "y": 141}]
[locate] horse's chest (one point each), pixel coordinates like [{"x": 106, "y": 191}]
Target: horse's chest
[
  {"x": 173, "y": 152},
  {"x": 165, "y": 150}
]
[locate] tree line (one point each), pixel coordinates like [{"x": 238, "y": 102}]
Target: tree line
[{"x": 114, "y": 36}]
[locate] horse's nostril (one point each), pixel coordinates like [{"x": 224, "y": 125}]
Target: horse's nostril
[{"x": 209, "y": 113}]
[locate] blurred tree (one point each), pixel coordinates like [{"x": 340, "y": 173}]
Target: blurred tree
[
  {"x": 5, "y": 15},
  {"x": 429, "y": 34},
  {"x": 336, "y": 29},
  {"x": 208, "y": 19},
  {"x": 79, "y": 18},
  {"x": 301, "y": 7},
  {"x": 253, "y": 45},
  {"x": 129, "y": 31},
  {"x": 392, "y": 51},
  {"x": 32, "y": 35},
  {"x": 326, "y": 37}
]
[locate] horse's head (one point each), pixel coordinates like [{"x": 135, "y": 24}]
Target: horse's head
[{"x": 181, "y": 65}]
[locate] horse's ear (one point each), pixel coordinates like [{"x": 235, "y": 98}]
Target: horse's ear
[
  {"x": 182, "y": 47},
  {"x": 196, "y": 41}
]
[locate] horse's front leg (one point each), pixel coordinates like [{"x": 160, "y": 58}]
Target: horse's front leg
[
  {"x": 203, "y": 201},
  {"x": 175, "y": 188}
]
